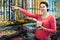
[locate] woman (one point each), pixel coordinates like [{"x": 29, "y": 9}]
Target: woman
[{"x": 48, "y": 22}]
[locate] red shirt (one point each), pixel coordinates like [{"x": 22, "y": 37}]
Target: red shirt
[
  {"x": 48, "y": 22},
  {"x": 17, "y": 38}
]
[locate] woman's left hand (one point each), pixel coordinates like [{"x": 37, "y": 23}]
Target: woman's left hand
[{"x": 43, "y": 28}]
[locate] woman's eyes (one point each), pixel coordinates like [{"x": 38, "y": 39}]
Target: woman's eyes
[{"x": 42, "y": 7}]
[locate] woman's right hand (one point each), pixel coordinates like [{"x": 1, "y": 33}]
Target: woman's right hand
[{"x": 14, "y": 7}]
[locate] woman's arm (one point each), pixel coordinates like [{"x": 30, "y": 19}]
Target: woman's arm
[
  {"x": 53, "y": 25},
  {"x": 25, "y": 12}
]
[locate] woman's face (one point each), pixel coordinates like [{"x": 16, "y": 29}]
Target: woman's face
[{"x": 43, "y": 8}]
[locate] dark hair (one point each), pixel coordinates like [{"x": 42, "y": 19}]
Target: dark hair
[{"x": 45, "y": 4}]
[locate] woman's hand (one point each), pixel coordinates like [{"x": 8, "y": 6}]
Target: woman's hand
[
  {"x": 39, "y": 23},
  {"x": 43, "y": 28},
  {"x": 14, "y": 7}
]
